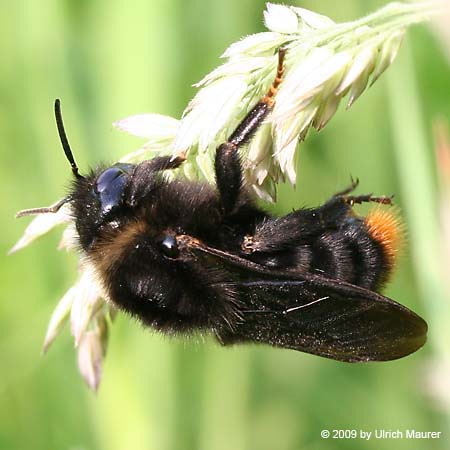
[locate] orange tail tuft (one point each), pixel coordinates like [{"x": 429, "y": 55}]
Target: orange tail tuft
[{"x": 386, "y": 228}]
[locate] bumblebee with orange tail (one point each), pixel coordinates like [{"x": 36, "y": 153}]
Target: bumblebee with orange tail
[{"x": 184, "y": 257}]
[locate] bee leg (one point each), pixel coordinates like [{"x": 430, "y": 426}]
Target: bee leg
[
  {"x": 353, "y": 199},
  {"x": 343, "y": 196},
  {"x": 49, "y": 209},
  {"x": 143, "y": 172},
  {"x": 164, "y": 162},
  {"x": 339, "y": 206},
  {"x": 227, "y": 164},
  {"x": 354, "y": 182}
]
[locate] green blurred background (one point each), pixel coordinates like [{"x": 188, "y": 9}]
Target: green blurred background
[{"x": 110, "y": 59}]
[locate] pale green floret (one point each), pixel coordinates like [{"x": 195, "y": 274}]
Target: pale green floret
[{"x": 325, "y": 61}]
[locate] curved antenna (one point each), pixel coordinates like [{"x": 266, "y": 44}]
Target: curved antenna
[{"x": 63, "y": 138}]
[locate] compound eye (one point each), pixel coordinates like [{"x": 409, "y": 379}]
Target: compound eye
[
  {"x": 107, "y": 179},
  {"x": 169, "y": 247},
  {"x": 110, "y": 186}
]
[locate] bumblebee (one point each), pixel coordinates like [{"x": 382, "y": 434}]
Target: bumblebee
[{"x": 184, "y": 257}]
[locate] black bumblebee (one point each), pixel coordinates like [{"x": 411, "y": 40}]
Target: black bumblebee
[{"x": 185, "y": 257}]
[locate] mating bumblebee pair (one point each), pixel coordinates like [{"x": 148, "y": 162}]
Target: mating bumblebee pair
[{"x": 184, "y": 257}]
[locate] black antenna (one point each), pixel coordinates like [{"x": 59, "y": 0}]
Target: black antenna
[{"x": 63, "y": 137}]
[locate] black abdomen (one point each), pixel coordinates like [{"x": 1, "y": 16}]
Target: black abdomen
[
  {"x": 351, "y": 254},
  {"x": 330, "y": 241}
]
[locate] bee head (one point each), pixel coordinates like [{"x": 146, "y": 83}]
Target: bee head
[
  {"x": 96, "y": 198},
  {"x": 100, "y": 201},
  {"x": 108, "y": 197}
]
